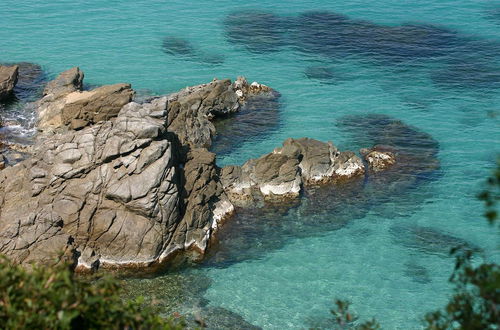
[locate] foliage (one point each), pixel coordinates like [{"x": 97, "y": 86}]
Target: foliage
[
  {"x": 491, "y": 195},
  {"x": 476, "y": 301},
  {"x": 42, "y": 298},
  {"x": 343, "y": 318}
]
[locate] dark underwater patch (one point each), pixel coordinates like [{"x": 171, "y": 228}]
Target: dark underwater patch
[
  {"x": 183, "y": 49},
  {"x": 493, "y": 14},
  {"x": 259, "y": 31},
  {"x": 428, "y": 240},
  {"x": 177, "y": 46},
  {"x": 417, "y": 273},
  {"x": 336, "y": 36},
  {"x": 322, "y": 74},
  {"x": 467, "y": 75},
  {"x": 30, "y": 83}
]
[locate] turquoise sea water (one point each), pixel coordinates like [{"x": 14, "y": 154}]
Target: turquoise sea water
[{"x": 454, "y": 97}]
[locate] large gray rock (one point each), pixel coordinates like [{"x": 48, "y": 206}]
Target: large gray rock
[
  {"x": 281, "y": 174},
  {"x": 65, "y": 105},
  {"x": 107, "y": 195},
  {"x": 8, "y": 80}
]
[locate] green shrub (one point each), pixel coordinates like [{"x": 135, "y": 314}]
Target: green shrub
[{"x": 54, "y": 298}]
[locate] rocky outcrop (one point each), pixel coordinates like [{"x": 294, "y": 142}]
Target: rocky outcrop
[
  {"x": 379, "y": 157},
  {"x": 8, "y": 80},
  {"x": 109, "y": 195},
  {"x": 192, "y": 109},
  {"x": 65, "y": 105},
  {"x": 280, "y": 174},
  {"x": 122, "y": 192},
  {"x": 106, "y": 194},
  {"x": 123, "y": 184}
]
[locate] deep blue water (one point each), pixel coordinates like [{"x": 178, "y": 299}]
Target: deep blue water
[{"x": 435, "y": 65}]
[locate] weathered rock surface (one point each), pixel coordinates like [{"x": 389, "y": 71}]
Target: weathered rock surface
[
  {"x": 65, "y": 105},
  {"x": 8, "y": 80},
  {"x": 108, "y": 195},
  {"x": 205, "y": 204},
  {"x": 67, "y": 82},
  {"x": 128, "y": 188},
  {"x": 379, "y": 158},
  {"x": 280, "y": 174}
]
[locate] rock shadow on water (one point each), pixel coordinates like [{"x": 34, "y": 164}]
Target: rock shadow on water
[
  {"x": 183, "y": 49},
  {"x": 257, "y": 118}
]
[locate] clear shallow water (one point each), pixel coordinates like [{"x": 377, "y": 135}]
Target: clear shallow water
[{"x": 121, "y": 41}]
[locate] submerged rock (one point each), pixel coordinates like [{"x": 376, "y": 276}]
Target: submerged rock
[
  {"x": 396, "y": 191},
  {"x": 65, "y": 105},
  {"x": 429, "y": 240},
  {"x": 417, "y": 273},
  {"x": 8, "y": 80},
  {"x": 177, "y": 46},
  {"x": 321, "y": 73},
  {"x": 182, "y": 48},
  {"x": 258, "y": 31},
  {"x": 31, "y": 81}
]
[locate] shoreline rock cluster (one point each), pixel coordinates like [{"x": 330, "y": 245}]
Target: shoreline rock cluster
[{"x": 116, "y": 184}]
